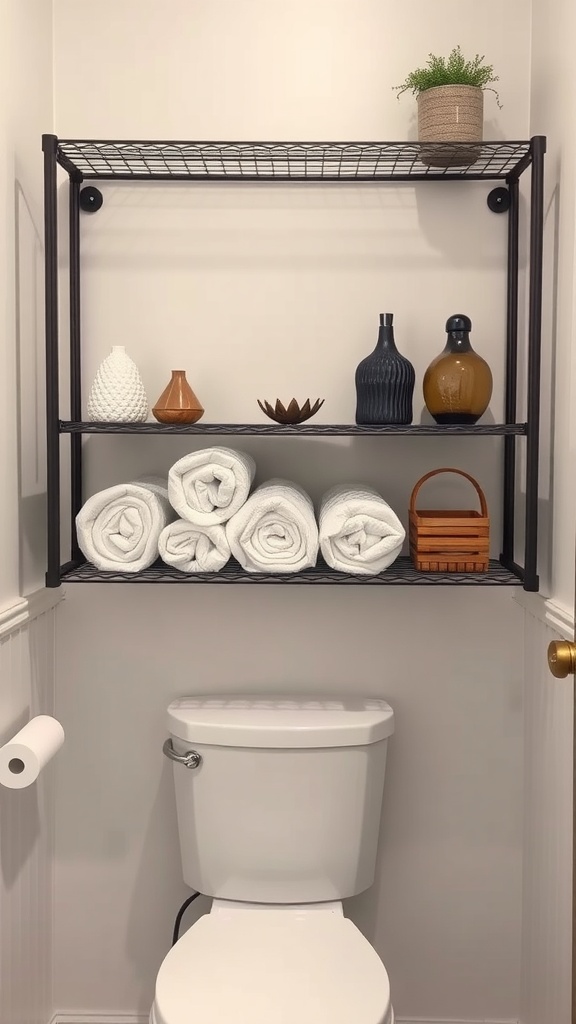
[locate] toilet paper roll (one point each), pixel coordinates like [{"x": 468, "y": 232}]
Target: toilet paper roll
[{"x": 23, "y": 758}]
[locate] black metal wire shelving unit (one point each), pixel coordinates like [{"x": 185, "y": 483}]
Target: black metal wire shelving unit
[{"x": 89, "y": 161}]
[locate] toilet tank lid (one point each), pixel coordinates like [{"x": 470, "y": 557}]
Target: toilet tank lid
[{"x": 280, "y": 721}]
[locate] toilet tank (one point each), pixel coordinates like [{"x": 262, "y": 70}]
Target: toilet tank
[{"x": 285, "y": 804}]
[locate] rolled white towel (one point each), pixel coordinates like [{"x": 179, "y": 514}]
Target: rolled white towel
[
  {"x": 359, "y": 532},
  {"x": 275, "y": 531},
  {"x": 209, "y": 486},
  {"x": 118, "y": 529},
  {"x": 193, "y": 548}
]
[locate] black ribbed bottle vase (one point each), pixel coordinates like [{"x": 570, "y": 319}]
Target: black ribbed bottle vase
[{"x": 384, "y": 381}]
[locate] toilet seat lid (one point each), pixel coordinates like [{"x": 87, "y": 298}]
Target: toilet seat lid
[{"x": 272, "y": 967}]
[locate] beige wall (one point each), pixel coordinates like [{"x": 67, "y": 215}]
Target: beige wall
[
  {"x": 27, "y": 658},
  {"x": 549, "y": 704},
  {"x": 445, "y": 910},
  {"x": 263, "y": 292},
  {"x": 547, "y": 873},
  {"x": 25, "y": 112},
  {"x": 26, "y": 631},
  {"x": 553, "y": 107}
]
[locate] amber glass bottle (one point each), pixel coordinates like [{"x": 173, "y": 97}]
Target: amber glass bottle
[{"x": 458, "y": 383}]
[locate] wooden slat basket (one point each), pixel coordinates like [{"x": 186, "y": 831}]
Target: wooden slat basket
[{"x": 444, "y": 540}]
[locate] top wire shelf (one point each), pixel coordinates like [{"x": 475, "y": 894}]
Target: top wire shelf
[{"x": 293, "y": 161}]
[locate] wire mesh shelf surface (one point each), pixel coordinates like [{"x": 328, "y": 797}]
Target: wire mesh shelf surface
[
  {"x": 296, "y": 430},
  {"x": 292, "y": 161},
  {"x": 401, "y": 572}
]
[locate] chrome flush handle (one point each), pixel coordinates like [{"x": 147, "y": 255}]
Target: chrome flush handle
[{"x": 191, "y": 759}]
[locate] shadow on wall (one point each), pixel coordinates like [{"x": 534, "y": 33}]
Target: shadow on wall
[
  {"x": 19, "y": 814},
  {"x": 390, "y": 464},
  {"x": 548, "y": 378},
  {"x": 153, "y": 912},
  {"x": 24, "y": 676},
  {"x": 20, "y": 817},
  {"x": 162, "y": 226},
  {"x": 366, "y": 908},
  {"x": 31, "y": 402}
]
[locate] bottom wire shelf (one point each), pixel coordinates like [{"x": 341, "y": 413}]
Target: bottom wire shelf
[{"x": 401, "y": 573}]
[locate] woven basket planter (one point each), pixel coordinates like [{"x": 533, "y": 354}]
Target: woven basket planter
[
  {"x": 449, "y": 540},
  {"x": 451, "y": 113}
]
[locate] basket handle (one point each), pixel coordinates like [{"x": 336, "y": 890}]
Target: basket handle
[{"x": 460, "y": 472}]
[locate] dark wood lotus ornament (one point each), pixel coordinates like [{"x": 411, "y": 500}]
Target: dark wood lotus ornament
[{"x": 292, "y": 413}]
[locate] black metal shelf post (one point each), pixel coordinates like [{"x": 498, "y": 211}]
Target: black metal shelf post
[
  {"x": 509, "y": 481},
  {"x": 534, "y": 358},
  {"x": 75, "y": 360},
  {"x": 50, "y": 148},
  {"x": 354, "y": 162}
]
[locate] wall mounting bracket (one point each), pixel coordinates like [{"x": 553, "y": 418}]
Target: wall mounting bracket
[
  {"x": 499, "y": 200},
  {"x": 91, "y": 199}
]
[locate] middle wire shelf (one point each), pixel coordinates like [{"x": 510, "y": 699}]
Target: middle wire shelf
[{"x": 297, "y": 430}]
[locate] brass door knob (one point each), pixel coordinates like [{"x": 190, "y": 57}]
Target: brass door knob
[{"x": 562, "y": 658}]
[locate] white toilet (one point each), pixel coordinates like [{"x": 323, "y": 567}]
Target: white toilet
[{"x": 279, "y": 805}]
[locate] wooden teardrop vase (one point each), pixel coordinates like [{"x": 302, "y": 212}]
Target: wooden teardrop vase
[{"x": 178, "y": 403}]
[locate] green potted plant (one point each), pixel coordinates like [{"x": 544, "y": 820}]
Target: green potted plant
[{"x": 450, "y": 92}]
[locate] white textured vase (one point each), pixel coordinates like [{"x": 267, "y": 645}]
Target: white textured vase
[{"x": 117, "y": 394}]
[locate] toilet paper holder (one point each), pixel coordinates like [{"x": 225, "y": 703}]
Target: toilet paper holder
[{"x": 191, "y": 759}]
